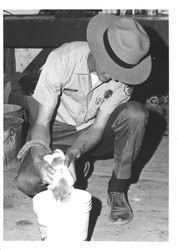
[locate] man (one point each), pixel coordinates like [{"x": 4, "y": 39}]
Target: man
[{"x": 86, "y": 86}]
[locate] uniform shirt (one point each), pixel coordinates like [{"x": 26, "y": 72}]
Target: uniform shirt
[{"x": 66, "y": 75}]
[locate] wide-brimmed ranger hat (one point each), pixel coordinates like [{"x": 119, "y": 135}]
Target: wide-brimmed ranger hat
[{"x": 121, "y": 46}]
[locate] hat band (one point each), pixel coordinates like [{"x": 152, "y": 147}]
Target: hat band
[{"x": 113, "y": 56}]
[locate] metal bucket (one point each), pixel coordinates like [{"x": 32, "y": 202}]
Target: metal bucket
[
  {"x": 15, "y": 111},
  {"x": 11, "y": 141}
]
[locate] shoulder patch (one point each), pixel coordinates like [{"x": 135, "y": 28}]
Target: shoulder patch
[{"x": 108, "y": 93}]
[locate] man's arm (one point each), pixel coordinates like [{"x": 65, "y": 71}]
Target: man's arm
[
  {"x": 90, "y": 138},
  {"x": 40, "y": 131}
]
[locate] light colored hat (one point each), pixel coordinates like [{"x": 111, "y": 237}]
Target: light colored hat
[{"x": 121, "y": 46}]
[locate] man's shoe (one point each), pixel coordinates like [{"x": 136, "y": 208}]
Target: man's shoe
[{"x": 121, "y": 211}]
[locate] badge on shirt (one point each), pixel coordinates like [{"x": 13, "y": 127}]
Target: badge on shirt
[
  {"x": 99, "y": 100},
  {"x": 108, "y": 93}
]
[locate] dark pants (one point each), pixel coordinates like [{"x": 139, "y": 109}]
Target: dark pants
[{"x": 123, "y": 136}]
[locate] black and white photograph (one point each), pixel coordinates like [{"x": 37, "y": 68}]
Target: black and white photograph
[{"x": 86, "y": 125}]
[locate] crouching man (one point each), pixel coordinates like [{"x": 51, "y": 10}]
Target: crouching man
[{"x": 86, "y": 87}]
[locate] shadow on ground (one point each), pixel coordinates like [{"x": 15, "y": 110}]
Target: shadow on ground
[
  {"x": 154, "y": 132},
  {"x": 94, "y": 214}
]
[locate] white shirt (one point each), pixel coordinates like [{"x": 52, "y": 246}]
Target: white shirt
[{"x": 66, "y": 74}]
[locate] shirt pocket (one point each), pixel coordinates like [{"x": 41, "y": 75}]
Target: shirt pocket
[{"x": 74, "y": 94}]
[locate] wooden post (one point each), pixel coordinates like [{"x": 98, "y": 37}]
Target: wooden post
[{"x": 9, "y": 63}]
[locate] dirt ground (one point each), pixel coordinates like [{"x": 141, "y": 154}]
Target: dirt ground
[{"x": 148, "y": 198}]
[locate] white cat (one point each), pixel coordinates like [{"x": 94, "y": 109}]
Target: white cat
[{"x": 62, "y": 183}]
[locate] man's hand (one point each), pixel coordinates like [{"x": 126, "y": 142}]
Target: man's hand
[{"x": 46, "y": 171}]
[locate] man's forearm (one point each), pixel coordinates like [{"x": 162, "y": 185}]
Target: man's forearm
[
  {"x": 87, "y": 140},
  {"x": 40, "y": 132}
]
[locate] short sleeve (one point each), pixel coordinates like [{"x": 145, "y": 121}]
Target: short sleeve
[{"x": 51, "y": 79}]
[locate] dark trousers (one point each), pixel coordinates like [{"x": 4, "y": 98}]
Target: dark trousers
[{"x": 123, "y": 136}]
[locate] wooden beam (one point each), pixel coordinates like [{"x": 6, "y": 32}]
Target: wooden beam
[
  {"x": 50, "y": 32},
  {"x": 43, "y": 32},
  {"x": 9, "y": 62}
]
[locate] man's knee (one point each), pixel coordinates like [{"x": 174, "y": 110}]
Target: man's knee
[
  {"x": 27, "y": 184},
  {"x": 136, "y": 111},
  {"x": 129, "y": 114}
]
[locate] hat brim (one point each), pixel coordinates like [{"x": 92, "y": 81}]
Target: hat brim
[{"x": 95, "y": 31}]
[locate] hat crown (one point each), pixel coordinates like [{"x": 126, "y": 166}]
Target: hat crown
[
  {"x": 121, "y": 47},
  {"x": 128, "y": 40}
]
